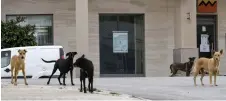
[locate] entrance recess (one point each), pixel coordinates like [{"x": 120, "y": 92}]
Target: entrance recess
[
  {"x": 121, "y": 44},
  {"x": 206, "y": 35}
]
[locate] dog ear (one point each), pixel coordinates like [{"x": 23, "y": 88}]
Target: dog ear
[
  {"x": 19, "y": 51},
  {"x": 190, "y": 58},
  {"x": 68, "y": 53},
  {"x": 83, "y": 56},
  {"x": 221, "y": 51},
  {"x": 74, "y": 53},
  {"x": 194, "y": 58},
  {"x": 25, "y": 50}
]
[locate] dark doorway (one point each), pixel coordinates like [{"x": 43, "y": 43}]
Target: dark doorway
[
  {"x": 130, "y": 61},
  {"x": 206, "y": 35}
]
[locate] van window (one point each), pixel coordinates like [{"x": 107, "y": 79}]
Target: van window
[
  {"x": 61, "y": 53},
  {"x": 5, "y": 58}
]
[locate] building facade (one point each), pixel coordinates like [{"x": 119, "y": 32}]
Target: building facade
[{"x": 127, "y": 37}]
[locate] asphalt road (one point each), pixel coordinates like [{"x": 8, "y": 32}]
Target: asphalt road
[{"x": 154, "y": 88}]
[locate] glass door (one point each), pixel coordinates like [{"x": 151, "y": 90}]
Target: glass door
[
  {"x": 121, "y": 63},
  {"x": 108, "y": 60},
  {"x": 206, "y": 35},
  {"x": 139, "y": 46}
]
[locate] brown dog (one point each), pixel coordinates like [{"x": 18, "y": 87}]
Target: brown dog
[
  {"x": 17, "y": 64},
  {"x": 209, "y": 65}
]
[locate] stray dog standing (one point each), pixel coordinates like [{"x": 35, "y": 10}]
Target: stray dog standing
[
  {"x": 64, "y": 65},
  {"x": 86, "y": 70},
  {"x": 209, "y": 65},
  {"x": 17, "y": 64},
  {"x": 186, "y": 67}
]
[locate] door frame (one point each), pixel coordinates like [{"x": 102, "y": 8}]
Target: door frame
[{"x": 208, "y": 20}]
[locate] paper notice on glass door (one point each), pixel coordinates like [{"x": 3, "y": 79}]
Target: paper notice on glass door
[
  {"x": 204, "y": 39},
  {"x": 204, "y": 48},
  {"x": 120, "y": 42}
]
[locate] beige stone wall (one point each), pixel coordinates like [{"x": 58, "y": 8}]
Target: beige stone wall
[
  {"x": 185, "y": 31},
  {"x": 159, "y": 37},
  {"x": 159, "y": 26},
  {"x": 221, "y": 32},
  {"x": 159, "y": 30},
  {"x": 63, "y": 17}
]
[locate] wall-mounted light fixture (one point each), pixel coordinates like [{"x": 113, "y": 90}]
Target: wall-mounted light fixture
[{"x": 189, "y": 16}]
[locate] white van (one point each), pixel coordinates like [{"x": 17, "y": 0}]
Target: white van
[{"x": 35, "y": 67}]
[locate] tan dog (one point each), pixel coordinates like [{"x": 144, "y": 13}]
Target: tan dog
[
  {"x": 17, "y": 64},
  {"x": 209, "y": 65}
]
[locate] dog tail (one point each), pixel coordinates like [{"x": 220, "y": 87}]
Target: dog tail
[{"x": 48, "y": 61}]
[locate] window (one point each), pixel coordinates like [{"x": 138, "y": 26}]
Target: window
[
  {"x": 43, "y": 27},
  {"x": 5, "y": 58}
]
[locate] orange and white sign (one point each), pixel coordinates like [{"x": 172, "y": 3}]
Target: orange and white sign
[{"x": 207, "y": 6}]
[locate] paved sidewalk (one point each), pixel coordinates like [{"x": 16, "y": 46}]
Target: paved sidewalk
[
  {"x": 166, "y": 88},
  {"x": 153, "y": 88},
  {"x": 55, "y": 92}
]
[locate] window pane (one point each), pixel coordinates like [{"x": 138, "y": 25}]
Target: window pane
[
  {"x": 43, "y": 27},
  {"x": 45, "y": 20},
  {"x": 5, "y": 58}
]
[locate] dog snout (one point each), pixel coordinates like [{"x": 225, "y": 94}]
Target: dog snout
[
  {"x": 22, "y": 57},
  {"x": 217, "y": 59}
]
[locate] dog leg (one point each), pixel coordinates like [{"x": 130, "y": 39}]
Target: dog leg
[
  {"x": 215, "y": 79},
  {"x": 80, "y": 83},
  {"x": 54, "y": 70},
  {"x": 84, "y": 84},
  {"x": 71, "y": 72},
  {"x": 64, "y": 79},
  {"x": 210, "y": 76},
  {"x": 174, "y": 72},
  {"x": 171, "y": 68},
  {"x": 91, "y": 84},
  {"x": 25, "y": 81},
  {"x": 203, "y": 74},
  {"x": 172, "y": 75},
  {"x": 12, "y": 77},
  {"x": 59, "y": 78},
  {"x": 90, "y": 81},
  {"x": 188, "y": 72},
  {"x": 195, "y": 75},
  {"x": 15, "y": 74}
]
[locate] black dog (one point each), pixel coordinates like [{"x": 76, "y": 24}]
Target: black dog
[
  {"x": 86, "y": 70},
  {"x": 186, "y": 67},
  {"x": 64, "y": 65}
]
